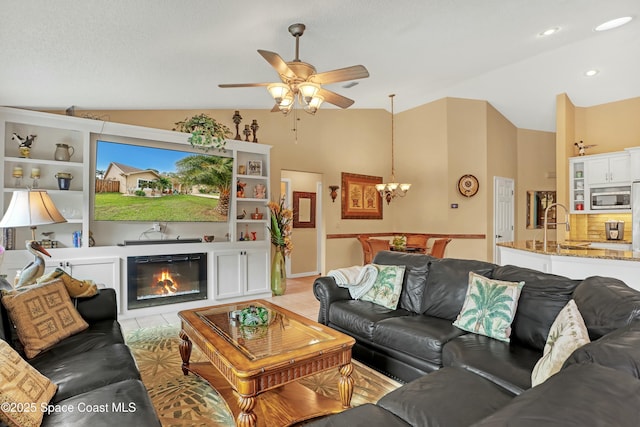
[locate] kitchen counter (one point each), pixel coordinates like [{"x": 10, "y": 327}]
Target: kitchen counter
[
  {"x": 576, "y": 260},
  {"x": 572, "y": 249}
]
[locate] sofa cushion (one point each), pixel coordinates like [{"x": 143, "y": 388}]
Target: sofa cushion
[
  {"x": 567, "y": 333},
  {"x": 366, "y": 415},
  {"x": 619, "y": 349},
  {"x": 360, "y": 317},
  {"x": 606, "y": 304},
  {"x": 418, "y": 335},
  {"x": 580, "y": 395},
  {"x": 447, "y": 284},
  {"x": 541, "y": 299},
  {"x": 387, "y": 286},
  {"x": 97, "y": 335},
  {"x": 447, "y": 397},
  {"x": 489, "y": 307},
  {"x": 415, "y": 277},
  {"x": 125, "y": 403},
  {"x": 505, "y": 364},
  {"x": 43, "y": 315},
  {"x": 23, "y": 390},
  {"x": 81, "y": 372}
]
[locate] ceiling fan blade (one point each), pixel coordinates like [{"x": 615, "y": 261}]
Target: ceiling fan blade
[
  {"x": 341, "y": 75},
  {"x": 243, "y": 85},
  {"x": 335, "y": 99},
  {"x": 278, "y": 63}
]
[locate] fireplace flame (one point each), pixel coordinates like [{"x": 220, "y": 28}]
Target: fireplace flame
[{"x": 166, "y": 284}]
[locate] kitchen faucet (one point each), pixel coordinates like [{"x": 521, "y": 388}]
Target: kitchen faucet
[{"x": 546, "y": 224}]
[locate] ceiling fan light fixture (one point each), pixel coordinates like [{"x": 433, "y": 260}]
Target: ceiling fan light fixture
[
  {"x": 279, "y": 91},
  {"x": 314, "y": 104},
  {"x": 308, "y": 91}
]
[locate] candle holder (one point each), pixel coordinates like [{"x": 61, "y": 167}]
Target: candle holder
[
  {"x": 17, "y": 175},
  {"x": 254, "y": 129},
  {"x": 334, "y": 192},
  {"x": 237, "y": 118},
  {"x": 246, "y": 132}
]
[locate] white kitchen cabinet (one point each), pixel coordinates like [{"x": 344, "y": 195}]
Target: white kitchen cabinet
[
  {"x": 634, "y": 154},
  {"x": 239, "y": 272},
  {"x": 103, "y": 271},
  {"x": 608, "y": 169}
]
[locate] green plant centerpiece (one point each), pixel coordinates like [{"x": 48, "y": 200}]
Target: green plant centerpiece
[{"x": 206, "y": 132}]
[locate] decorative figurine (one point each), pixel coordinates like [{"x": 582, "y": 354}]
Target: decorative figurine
[
  {"x": 240, "y": 189},
  {"x": 582, "y": 148},
  {"x": 260, "y": 191},
  {"x": 25, "y": 144},
  {"x": 254, "y": 129},
  {"x": 246, "y": 132},
  {"x": 237, "y": 118}
]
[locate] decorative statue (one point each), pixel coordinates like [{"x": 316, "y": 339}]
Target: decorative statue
[
  {"x": 25, "y": 144},
  {"x": 260, "y": 191},
  {"x": 240, "y": 189}
]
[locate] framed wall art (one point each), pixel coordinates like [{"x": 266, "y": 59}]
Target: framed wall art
[
  {"x": 360, "y": 199},
  {"x": 304, "y": 209}
]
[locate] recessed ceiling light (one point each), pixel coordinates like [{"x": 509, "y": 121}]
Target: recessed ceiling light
[
  {"x": 549, "y": 31},
  {"x": 591, "y": 73},
  {"x": 614, "y": 23}
]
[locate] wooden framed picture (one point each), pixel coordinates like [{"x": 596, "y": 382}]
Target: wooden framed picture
[
  {"x": 360, "y": 199},
  {"x": 304, "y": 209},
  {"x": 254, "y": 167}
]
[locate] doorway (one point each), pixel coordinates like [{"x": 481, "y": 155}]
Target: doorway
[
  {"x": 305, "y": 259},
  {"x": 503, "y": 212}
]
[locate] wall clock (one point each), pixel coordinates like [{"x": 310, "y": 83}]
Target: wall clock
[{"x": 468, "y": 185}]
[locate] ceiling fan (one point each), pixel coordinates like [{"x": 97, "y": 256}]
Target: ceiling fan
[{"x": 300, "y": 80}]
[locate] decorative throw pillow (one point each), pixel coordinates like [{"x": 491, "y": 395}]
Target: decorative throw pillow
[
  {"x": 387, "y": 287},
  {"x": 568, "y": 333},
  {"x": 23, "y": 390},
  {"x": 76, "y": 288},
  {"x": 43, "y": 315},
  {"x": 489, "y": 307}
]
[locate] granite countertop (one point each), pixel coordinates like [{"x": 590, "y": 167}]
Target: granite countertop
[{"x": 571, "y": 248}]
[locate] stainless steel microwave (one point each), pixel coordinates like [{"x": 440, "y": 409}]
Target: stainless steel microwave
[{"x": 611, "y": 198}]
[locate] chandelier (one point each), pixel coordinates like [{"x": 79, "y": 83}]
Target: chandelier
[
  {"x": 393, "y": 189},
  {"x": 306, "y": 93}
]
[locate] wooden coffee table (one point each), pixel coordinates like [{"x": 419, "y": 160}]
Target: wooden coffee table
[{"x": 256, "y": 369}]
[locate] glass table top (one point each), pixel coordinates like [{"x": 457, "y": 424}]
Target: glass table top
[{"x": 281, "y": 334}]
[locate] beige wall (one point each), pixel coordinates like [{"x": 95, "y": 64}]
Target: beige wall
[
  {"x": 435, "y": 144},
  {"x": 609, "y": 127},
  {"x": 536, "y": 171}
]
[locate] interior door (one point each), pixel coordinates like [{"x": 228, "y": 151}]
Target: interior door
[{"x": 503, "y": 212}]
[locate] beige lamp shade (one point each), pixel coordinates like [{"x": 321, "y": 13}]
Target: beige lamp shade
[{"x": 31, "y": 208}]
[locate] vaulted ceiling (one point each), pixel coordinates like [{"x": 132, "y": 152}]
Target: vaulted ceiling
[{"x": 150, "y": 54}]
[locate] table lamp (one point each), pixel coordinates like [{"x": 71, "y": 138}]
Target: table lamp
[{"x": 31, "y": 208}]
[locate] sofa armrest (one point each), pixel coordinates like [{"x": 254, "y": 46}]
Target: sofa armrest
[
  {"x": 326, "y": 291},
  {"x": 99, "y": 307}
]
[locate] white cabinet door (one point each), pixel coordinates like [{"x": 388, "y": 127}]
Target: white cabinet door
[
  {"x": 257, "y": 271},
  {"x": 620, "y": 169},
  {"x": 609, "y": 170},
  {"x": 103, "y": 271},
  {"x": 228, "y": 277},
  {"x": 240, "y": 272},
  {"x": 598, "y": 171}
]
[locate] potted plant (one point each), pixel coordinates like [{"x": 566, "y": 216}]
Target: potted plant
[{"x": 205, "y": 131}]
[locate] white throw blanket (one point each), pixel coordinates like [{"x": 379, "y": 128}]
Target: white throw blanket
[{"x": 359, "y": 279}]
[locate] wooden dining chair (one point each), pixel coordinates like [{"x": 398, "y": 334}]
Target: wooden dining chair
[
  {"x": 418, "y": 241},
  {"x": 438, "y": 247},
  {"x": 377, "y": 245},
  {"x": 366, "y": 249}
]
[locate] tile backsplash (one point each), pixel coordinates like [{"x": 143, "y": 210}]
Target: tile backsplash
[{"x": 590, "y": 227}]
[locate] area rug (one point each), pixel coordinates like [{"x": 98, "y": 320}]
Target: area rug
[{"x": 190, "y": 401}]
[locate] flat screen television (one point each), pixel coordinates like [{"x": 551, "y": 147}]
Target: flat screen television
[{"x": 143, "y": 183}]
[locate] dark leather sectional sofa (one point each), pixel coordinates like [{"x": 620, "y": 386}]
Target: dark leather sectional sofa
[
  {"x": 94, "y": 370},
  {"x": 456, "y": 378}
]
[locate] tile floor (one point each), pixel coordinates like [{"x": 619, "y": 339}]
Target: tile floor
[{"x": 298, "y": 298}]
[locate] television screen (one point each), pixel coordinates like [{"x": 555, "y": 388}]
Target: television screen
[{"x": 140, "y": 183}]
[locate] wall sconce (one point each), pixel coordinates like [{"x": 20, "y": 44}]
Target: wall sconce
[{"x": 334, "y": 192}]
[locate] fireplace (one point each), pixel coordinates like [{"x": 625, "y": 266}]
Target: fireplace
[{"x": 166, "y": 279}]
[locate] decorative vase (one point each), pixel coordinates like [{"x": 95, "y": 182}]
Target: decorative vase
[{"x": 278, "y": 273}]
